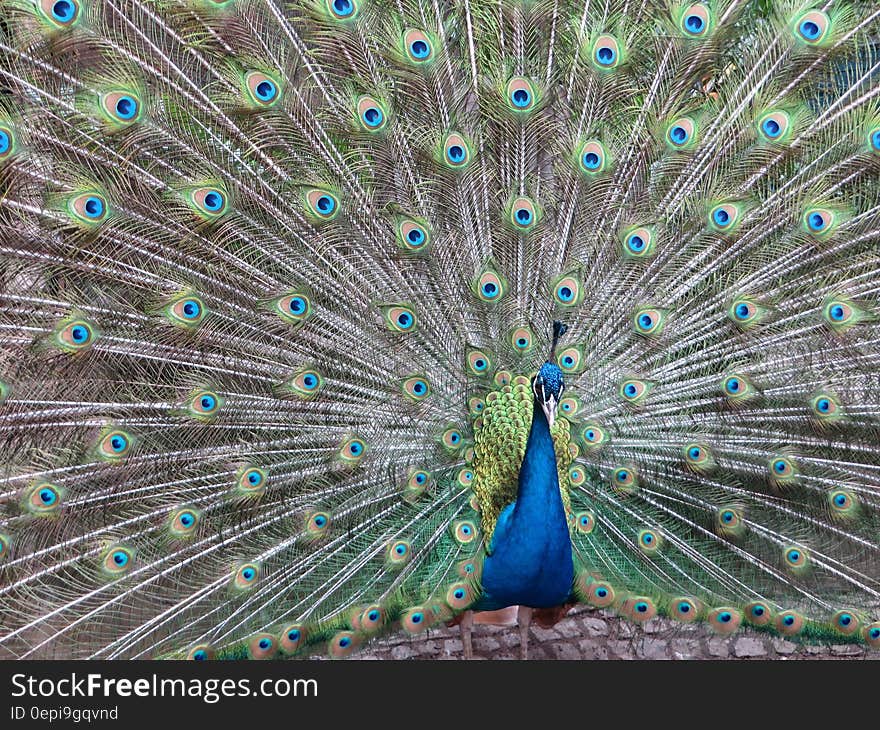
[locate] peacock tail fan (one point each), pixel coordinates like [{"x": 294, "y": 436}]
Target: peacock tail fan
[{"x": 276, "y": 276}]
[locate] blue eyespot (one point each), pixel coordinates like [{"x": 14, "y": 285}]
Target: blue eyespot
[
  {"x": 465, "y": 530},
  {"x": 266, "y": 90},
  {"x": 254, "y": 478},
  {"x": 479, "y": 364},
  {"x": 79, "y": 334},
  {"x": 373, "y": 116},
  {"x": 187, "y": 519},
  {"x": 94, "y": 207},
  {"x": 721, "y": 217},
  {"x": 780, "y": 466},
  {"x": 208, "y": 403},
  {"x": 126, "y": 107},
  {"x": 646, "y": 321},
  {"x": 771, "y": 128},
  {"x": 724, "y": 617},
  {"x": 684, "y": 607},
  {"x": 788, "y": 620},
  {"x": 875, "y": 139},
  {"x": 727, "y": 516},
  {"x": 845, "y": 619},
  {"x": 641, "y": 607},
  {"x": 568, "y": 361},
  {"x": 456, "y": 153},
  {"x": 213, "y": 201},
  {"x": 48, "y": 497},
  {"x": 248, "y": 574},
  {"x": 605, "y": 55},
  {"x": 622, "y": 474},
  {"x": 810, "y": 30},
  {"x": 344, "y": 641},
  {"x": 421, "y": 478},
  {"x": 694, "y": 23},
  {"x": 591, "y": 161},
  {"x": 758, "y": 611},
  {"x": 490, "y": 289},
  {"x": 419, "y": 387},
  {"x": 732, "y": 385},
  {"x": 293, "y": 634},
  {"x": 265, "y": 643},
  {"x": 874, "y": 633},
  {"x": 416, "y": 236},
  {"x": 522, "y": 342},
  {"x": 840, "y": 500},
  {"x": 601, "y": 592},
  {"x": 355, "y": 448},
  {"x": 191, "y": 309},
  {"x": 420, "y": 49},
  {"x": 678, "y": 134},
  {"x": 404, "y": 320},
  {"x": 630, "y": 390},
  {"x": 320, "y": 521},
  {"x": 647, "y": 538},
  {"x": 416, "y": 618},
  {"x": 816, "y": 222},
  {"x": 521, "y": 98},
  {"x": 400, "y": 549},
  {"x": 120, "y": 558},
  {"x": 524, "y": 216},
  {"x": 373, "y": 615},
  {"x": 635, "y": 243},
  {"x": 297, "y": 305},
  {"x": 309, "y": 381},
  {"x": 5, "y": 142},
  {"x": 694, "y": 452},
  {"x": 325, "y": 204},
  {"x": 823, "y": 404},
  {"x": 565, "y": 293},
  {"x": 63, "y": 11},
  {"x": 200, "y": 655},
  {"x": 454, "y": 438},
  {"x": 118, "y": 443},
  {"x": 742, "y": 311},
  {"x": 343, "y": 9},
  {"x": 837, "y": 313}
]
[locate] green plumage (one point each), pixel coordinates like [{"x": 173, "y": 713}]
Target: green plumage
[{"x": 274, "y": 277}]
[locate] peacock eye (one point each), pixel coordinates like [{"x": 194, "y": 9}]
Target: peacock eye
[{"x": 371, "y": 114}]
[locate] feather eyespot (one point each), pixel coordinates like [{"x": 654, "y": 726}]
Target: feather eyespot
[
  {"x": 416, "y": 485},
  {"x": 634, "y": 391},
  {"x": 122, "y": 108},
  {"x": 521, "y": 95},
  {"x": 321, "y": 205},
  {"x": 638, "y": 242},
  {"x": 789, "y": 623},
  {"x": 317, "y": 524},
  {"x": 523, "y": 214},
  {"x": 729, "y": 521},
  {"x": 846, "y": 622},
  {"x": 681, "y": 133},
  {"x": 204, "y": 405},
  {"x": 200, "y": 653},
  {"x": 415, "y": 620},
  {"x": 649, "y": 541},
  {"x": 871, "y": 632},
  {"x": 796, "y": 559},
  {"x": 874, "y": 139},
  {"x": 371, "y": 114},
  {"x": 724, "y": 218},
  {"x": 245, "y": 576},
  {"x": 490, "y": 287},
  {"x": 343, "y": 644},
  {"x": 774, "y": 126},
  {"x": 416, "y": 388},
  {"x": 251, "y": 481},
  {"x": 685, "y": 609},
  {"x": 724, "y": 620},
  {"x": 819, "y": 222},
  {"x": 398, "y": 553},
  {"x": 352, "y": 450},
  {"x": 61, "y": 13},
  {"x": 465, "y": 477},
  {"x": 522, "y": 340},
  {"x": 183, "y": 522},
  {"x": 479, "y": 363},
  {"x": 419, "y": 47},
  {"x": 464, "y": 532},
  {"x": 758, "y": 613},
  {"x": 737, "y": 388},
  {"x": 413, "y": 235},
  {"x": 75, "y": 336},
  {"x": 262, "y": 646},
  {"x": 567, "y": 290},
  {"x": 43, "y": 499},
  {"x": 624, "y": 479},
  {"x": 187, "y": 312},
  {"x": 399, "y": 318},
  {"x": 306, "y": 384},
  {"x": 342, "y": 9},
  {"x": 594, "y": 436},
  {"x": 695, "y": 21},
  {"x": 592, "y": 157},
  {"x": 114, "y": 445},
  {"x": 600, "y": 594},
  {"x": 570, "y": 360},
  {"x": 295, "y": 307},
  {"x": 649, "y": 321},
  {"x": 456, "y": 151},
  {"x": 844, "y": 503},
  {"x": 88, "y": 208},
  {"x": 292, "y": 638},
  {"x": 607, "y": 53},
  {"x": 577, "y": 475},
  {"x": 812, "y": 27},
  {"x": 7, "y": 141},
  {"x": 262, "y": 89},
  {"x": 117, "y": 560},
  {"x": 585, "y": 522},
  {"x": 782, "y": 470},
  {"x": 639, "y": 608},
  {"x": 209, "y": 202}
]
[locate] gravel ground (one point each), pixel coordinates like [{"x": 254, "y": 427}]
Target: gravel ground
[{"x": 587, "y": 633}]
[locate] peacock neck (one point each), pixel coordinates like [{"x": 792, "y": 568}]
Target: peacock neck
[{"x": 538, "y": 499}]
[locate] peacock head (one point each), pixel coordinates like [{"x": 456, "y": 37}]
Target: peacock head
[{"x": 549, "y": 384}]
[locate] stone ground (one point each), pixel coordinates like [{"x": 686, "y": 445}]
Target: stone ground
[{"x": 588, "y": 633}]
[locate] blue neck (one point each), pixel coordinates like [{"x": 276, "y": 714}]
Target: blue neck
[{"x": 531, "y": 562}]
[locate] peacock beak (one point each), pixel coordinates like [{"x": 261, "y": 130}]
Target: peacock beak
[{"x": 549, "y": 406}]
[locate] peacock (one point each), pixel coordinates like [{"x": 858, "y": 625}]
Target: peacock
[{"x": 323, "y": 319}]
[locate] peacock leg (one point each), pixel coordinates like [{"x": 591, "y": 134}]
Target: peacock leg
[
  {"x": 467, "y": 625},
  {"x": 523, "y": 619}
]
